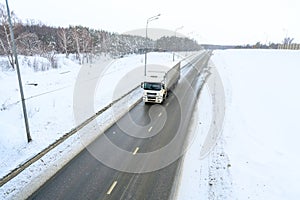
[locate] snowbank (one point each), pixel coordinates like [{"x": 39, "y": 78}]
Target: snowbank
[{"x": 257, "y": 155}]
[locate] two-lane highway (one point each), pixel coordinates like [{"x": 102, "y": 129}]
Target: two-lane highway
[{"x": 148, "y": 145}]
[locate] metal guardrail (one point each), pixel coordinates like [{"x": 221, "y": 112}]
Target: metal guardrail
[{"x": 30, "y": 161}]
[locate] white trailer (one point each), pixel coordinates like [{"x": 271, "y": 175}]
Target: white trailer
[{"x": 158, "y": 82}]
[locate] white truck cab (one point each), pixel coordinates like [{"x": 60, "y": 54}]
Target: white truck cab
[{"x": 154, "y": 89}]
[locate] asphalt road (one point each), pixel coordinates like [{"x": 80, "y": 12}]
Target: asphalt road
[{"x": 148, "y": 129}]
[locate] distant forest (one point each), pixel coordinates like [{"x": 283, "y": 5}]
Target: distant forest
[{"x": 34, "y": 38}]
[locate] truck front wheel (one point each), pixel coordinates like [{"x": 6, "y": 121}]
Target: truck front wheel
[{"x": 165, "y": 95}]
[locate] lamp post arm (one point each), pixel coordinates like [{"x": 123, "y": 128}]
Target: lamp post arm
[{"x": 146, "y": 49}]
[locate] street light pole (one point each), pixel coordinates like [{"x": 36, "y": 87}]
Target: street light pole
[
  {"x": 148, "y": 20},
  {"x": 18, "y": 73},
  {"x": 181, "y": 27}
]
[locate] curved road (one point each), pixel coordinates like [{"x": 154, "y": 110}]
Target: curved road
[{"x": 85, "y": 177}]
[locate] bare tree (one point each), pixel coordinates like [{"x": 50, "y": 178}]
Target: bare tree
[
  {"x": 75, "y": 34},
  {"x": 103, "y": 42},
  {"x": 288, "y": 40},
  {"x": 5, "y": 39},
  {"x": 63, "y": 40},
  {"x": 86, "y": 43},
  {"x": 28, "y": 44}
]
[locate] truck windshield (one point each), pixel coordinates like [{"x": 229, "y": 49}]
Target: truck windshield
[{"x": 152, "y": 86}]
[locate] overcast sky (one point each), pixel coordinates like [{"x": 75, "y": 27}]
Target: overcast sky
[{"x": 209, "y": 21}]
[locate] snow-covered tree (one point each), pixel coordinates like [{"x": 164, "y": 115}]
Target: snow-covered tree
[
  {"x": 86, "y": 43},
  {"x": 28, "y": 44},
  {"x": 5, "y": 39},
  {"x": 63, "y": 40},
  {"x": 76, "y": 38}
]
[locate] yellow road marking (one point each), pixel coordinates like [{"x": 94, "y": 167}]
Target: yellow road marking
[
  {"x": 112, "y": 187},
  {"x": 136, "y": 150}
]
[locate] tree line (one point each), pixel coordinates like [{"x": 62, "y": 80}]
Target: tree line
[
  {"x": 286, "y": 42},
  {"x": 35, "y": 38}
]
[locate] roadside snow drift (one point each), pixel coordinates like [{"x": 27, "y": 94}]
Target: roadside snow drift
[{"x": 257, "y": 156}]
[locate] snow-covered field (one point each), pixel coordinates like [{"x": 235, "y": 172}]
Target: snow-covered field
[
  {"x": 257, "y": 154},
  {"x": 49, "y": 105}
]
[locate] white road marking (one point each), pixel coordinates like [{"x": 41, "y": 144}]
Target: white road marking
[
  {"x": 112, "y": 187},
  {"x": 136, "y": 150},
  {"x": 167, "y": 104},
  {"x": 159, "y": 114},
  {"x": 150, "y": 129}
]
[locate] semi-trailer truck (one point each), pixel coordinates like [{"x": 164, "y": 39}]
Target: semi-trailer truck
[{"x": 158, "y": 82}]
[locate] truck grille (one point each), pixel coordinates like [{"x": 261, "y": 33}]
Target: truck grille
[{"x": 151, "y": 93}]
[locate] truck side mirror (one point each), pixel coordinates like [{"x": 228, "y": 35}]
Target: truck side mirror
[
  {"x": 163, "y": 86},
  {"x": 142, "y": 84}
]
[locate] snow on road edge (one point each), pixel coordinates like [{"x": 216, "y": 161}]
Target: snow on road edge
[
  {"x": 39, "y": 172},
  {"x": 208, "y": 177}
]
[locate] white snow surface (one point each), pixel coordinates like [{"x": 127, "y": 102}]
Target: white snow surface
[{"x": 257, "y": 155}]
